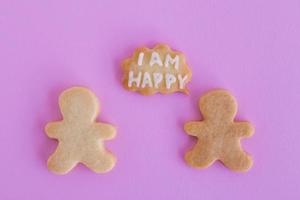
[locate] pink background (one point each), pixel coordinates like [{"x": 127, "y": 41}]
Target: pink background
[{"x": 251, "y": 48}]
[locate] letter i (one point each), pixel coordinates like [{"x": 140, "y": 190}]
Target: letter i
[{"x": 141, "y": 58}]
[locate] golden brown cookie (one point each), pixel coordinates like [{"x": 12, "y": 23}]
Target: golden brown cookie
[
  {"x": 80, "y": 137},
  {"x": 218, "y": 134},
  {"x": 156, "y": 70}
]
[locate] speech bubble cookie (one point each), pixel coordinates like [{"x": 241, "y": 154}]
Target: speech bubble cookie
[{"x": 159, "y": 69}]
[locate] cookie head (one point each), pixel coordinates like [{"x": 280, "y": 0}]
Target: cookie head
[
  {"x": 218, "y": 105},
  {"x": 78, "y": 104}
]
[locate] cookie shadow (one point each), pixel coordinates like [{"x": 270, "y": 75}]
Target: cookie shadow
[
  {"x": 49, "y": 112},
  {"x": 187, "y": 142}
]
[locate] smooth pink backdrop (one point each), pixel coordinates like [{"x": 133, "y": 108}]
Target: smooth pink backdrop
[{"x": 251, "y": 48}]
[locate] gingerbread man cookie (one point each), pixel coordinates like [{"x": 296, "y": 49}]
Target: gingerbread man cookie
[
  {"x": 80, "y": 137},
  {"x": 218, "y": 134},
  {"x": 160, "y": 69}
]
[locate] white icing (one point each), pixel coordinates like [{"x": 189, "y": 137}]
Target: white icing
[
  {"x": 147, "y": 80},
  {"x": 140, "y": 58},
  {"x": 182, "y": 81},
  {"x": 154, "y": 81},
  {"x": 164, "y": 77},
  {"x": 170, "y": 79},
  {"x": 158, "y": 77},
  {"x": 155, "y": 59},
  {"x": 173, "y": 61},
  {"x": 132, "y": 79}
]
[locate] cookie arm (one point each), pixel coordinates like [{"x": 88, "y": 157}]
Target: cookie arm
[
  {"x": 194, "y": 128},
  {"x": 243, "y": 129},
  {"x": 105, "y": 131},
  {"x": 53, "y": 129}
]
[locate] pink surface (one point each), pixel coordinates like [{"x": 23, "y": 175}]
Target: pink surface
[{"x": 248, "y": 47}]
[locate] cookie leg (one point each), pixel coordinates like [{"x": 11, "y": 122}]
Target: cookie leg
[
  {"x": 60, "y": 162},
  {"x": 100, "y": 162},
  {"x": 237, "y": 161},
  {"x": 201, "y": 156}
]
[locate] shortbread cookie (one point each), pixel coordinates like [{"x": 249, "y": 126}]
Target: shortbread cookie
[
  {"x": 80, "y": 137},
  {"x": 156, "y": 70},
  {"x": 218, "y": 134}
]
